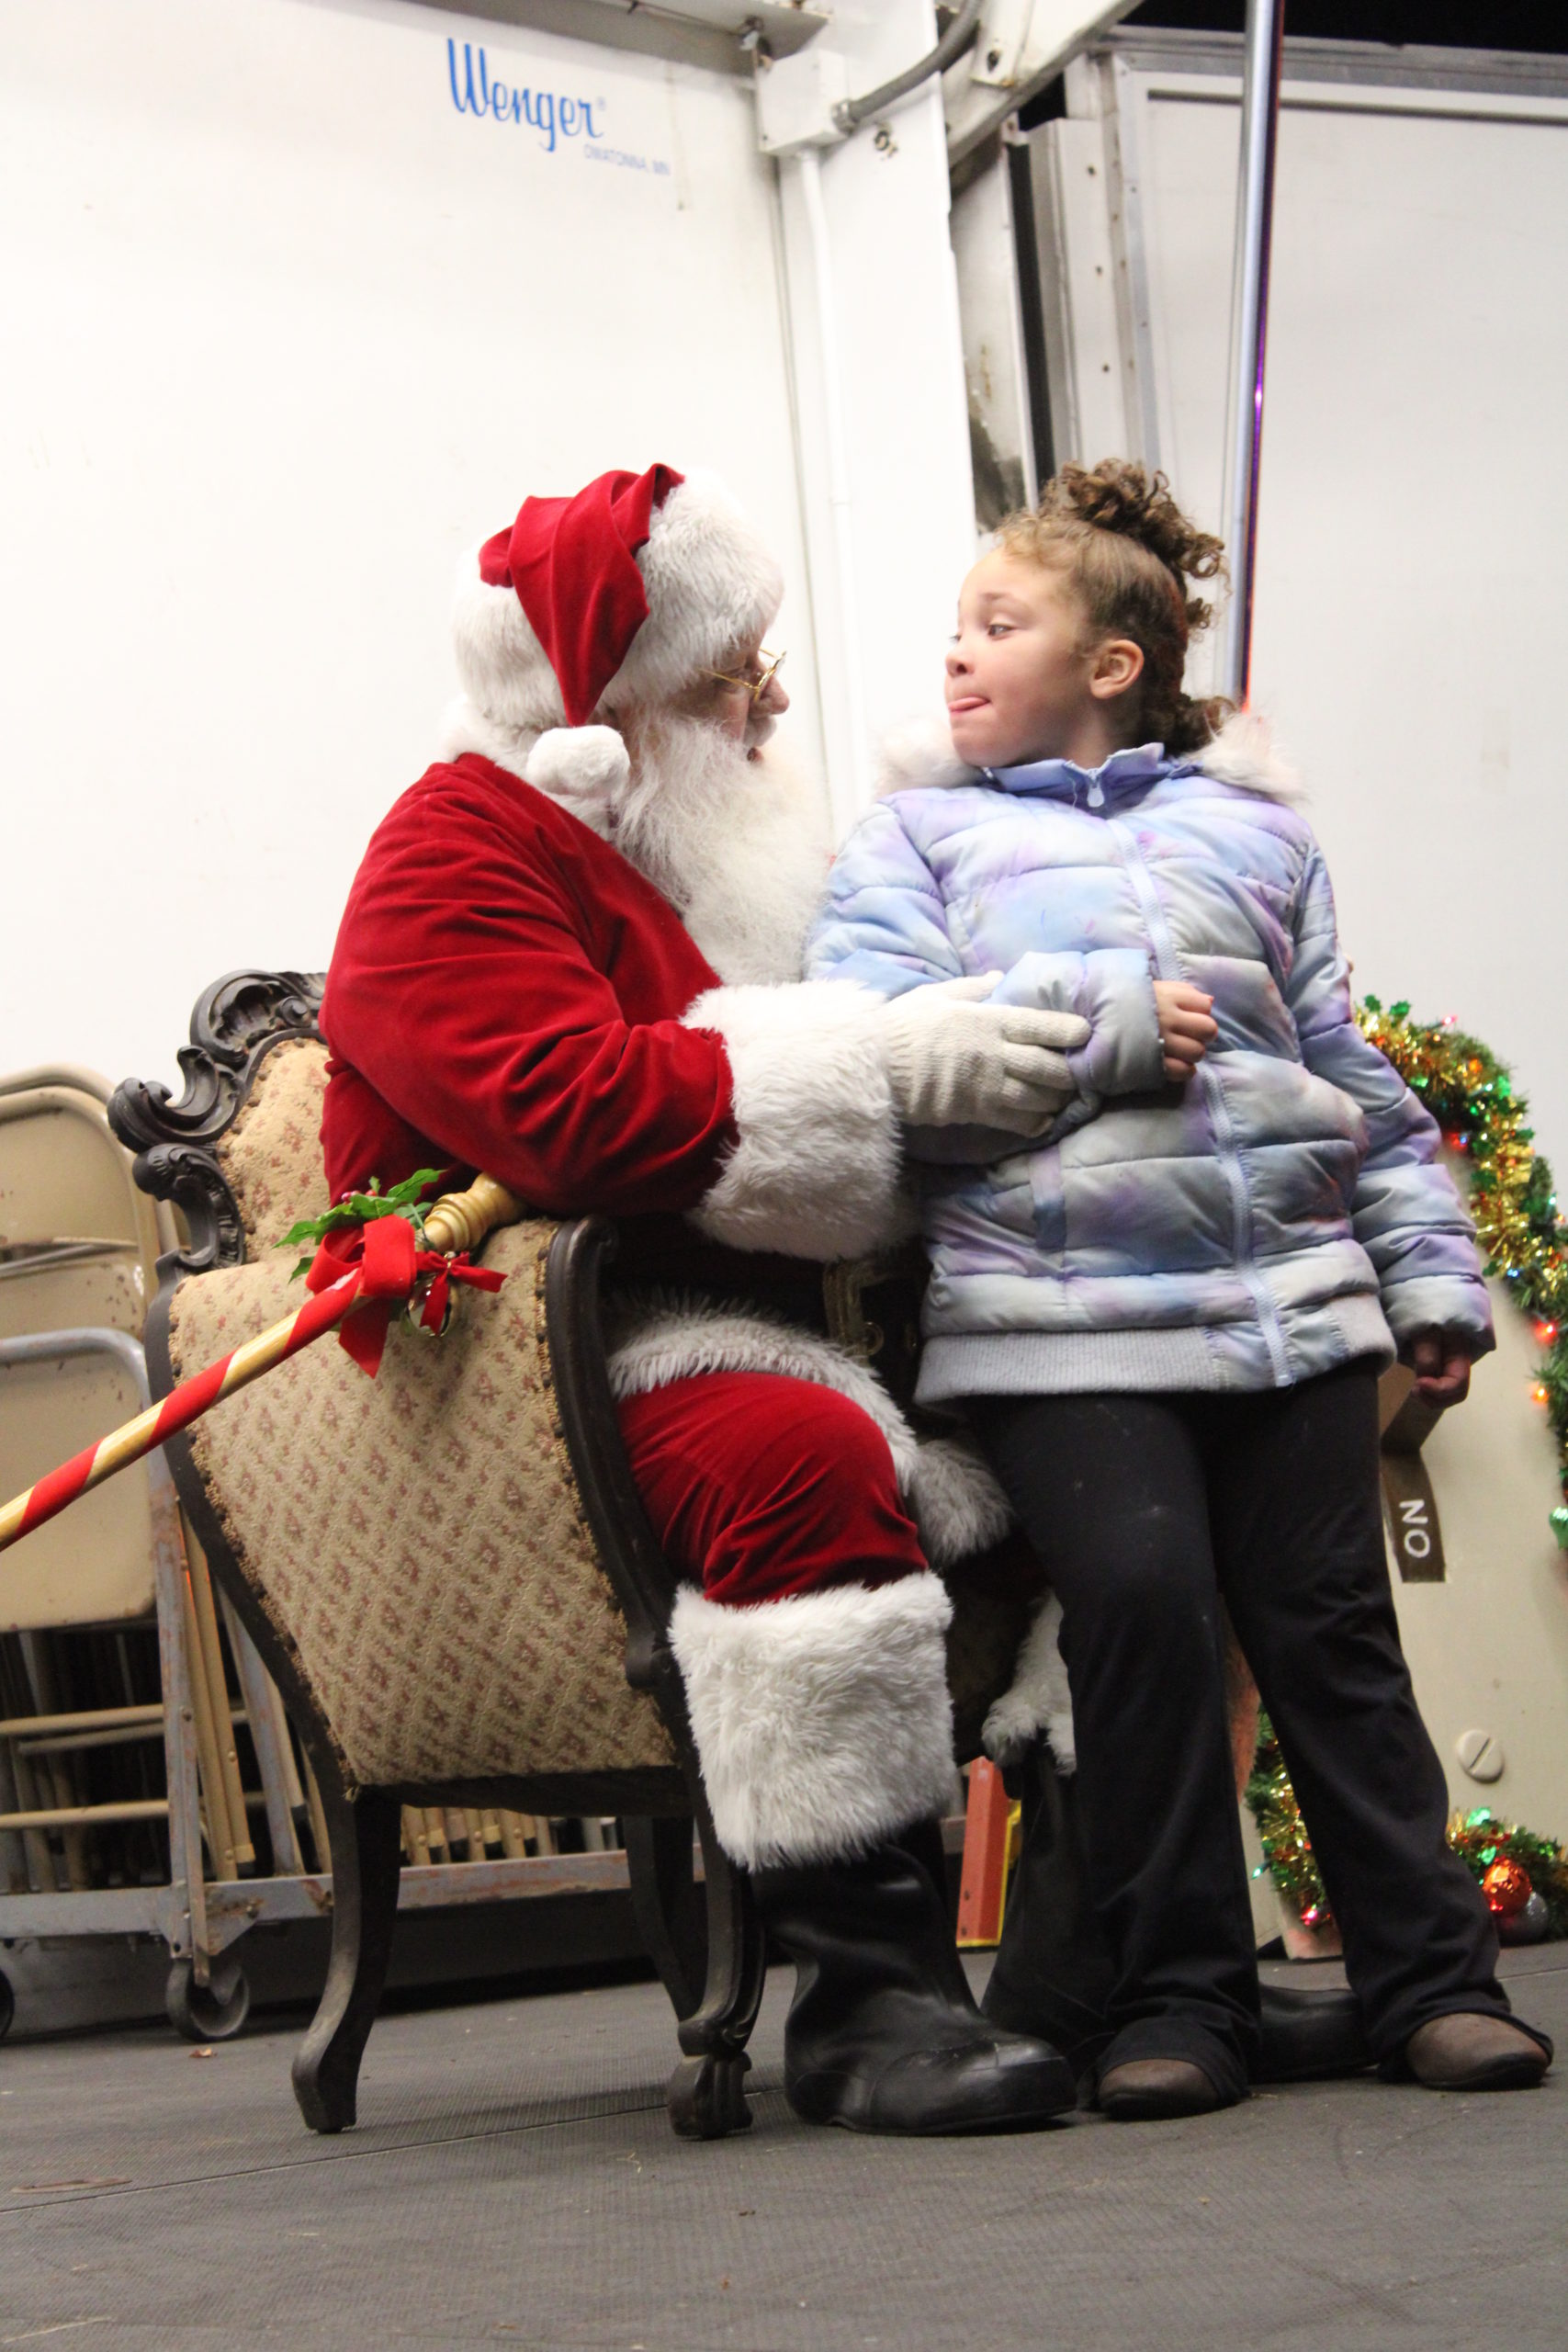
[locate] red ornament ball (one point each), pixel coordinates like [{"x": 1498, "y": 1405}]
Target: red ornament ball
[{"x": 1506, "y": 1887}]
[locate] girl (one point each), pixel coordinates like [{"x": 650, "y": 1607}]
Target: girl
[{"x": 1167, "y": 1318}]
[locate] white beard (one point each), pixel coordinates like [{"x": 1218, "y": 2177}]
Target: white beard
[{"x": 734, "y": 836}]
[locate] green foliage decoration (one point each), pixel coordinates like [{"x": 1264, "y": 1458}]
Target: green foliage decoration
[{"x": 361, "y": 1209}]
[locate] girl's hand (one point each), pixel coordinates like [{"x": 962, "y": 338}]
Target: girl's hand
[
  {"x": 1440, "y": 1362},
  {"x": 1187, "y": 1025}
]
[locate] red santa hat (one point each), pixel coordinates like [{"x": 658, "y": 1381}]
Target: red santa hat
[{"x": 618, "y": 598}]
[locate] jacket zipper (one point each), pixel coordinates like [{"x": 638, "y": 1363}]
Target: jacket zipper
[{"x": 1168, "y": 966}]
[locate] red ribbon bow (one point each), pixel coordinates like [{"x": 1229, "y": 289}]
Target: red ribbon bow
[{"x": 389, "y": 1264}]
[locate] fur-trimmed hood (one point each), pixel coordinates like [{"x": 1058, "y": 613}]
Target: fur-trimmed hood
[{"x": 918, "y": 757}]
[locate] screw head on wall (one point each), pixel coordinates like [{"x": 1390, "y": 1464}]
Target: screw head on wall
[{"x": 1480, "y": 1755}]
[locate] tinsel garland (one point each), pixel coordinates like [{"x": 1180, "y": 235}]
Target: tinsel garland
[
  {"x": 1287, "y": 1849},
  {"x": 1472, "y": 1096},
  {"x": 1481, "y": 1840}
]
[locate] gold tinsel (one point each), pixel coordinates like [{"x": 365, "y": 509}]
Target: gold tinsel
[{"x": 1479, "y": 1839}]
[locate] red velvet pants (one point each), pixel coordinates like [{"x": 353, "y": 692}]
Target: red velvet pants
[{"x": 758, "y": 1485}]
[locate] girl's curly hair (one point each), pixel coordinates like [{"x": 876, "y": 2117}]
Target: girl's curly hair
[{"x": 1130, "y": 552}]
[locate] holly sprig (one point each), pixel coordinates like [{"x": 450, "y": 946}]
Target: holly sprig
[{"x": 364, "y": 1209}]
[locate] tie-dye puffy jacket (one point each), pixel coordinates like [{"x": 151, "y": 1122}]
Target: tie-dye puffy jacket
[{"x": 1278, "y": 1213}]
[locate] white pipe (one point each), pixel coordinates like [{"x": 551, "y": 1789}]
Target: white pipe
[
  {"x": 850, "y": 113},
  {"x": 1249, "y": 329},
  {"x": 845, "y": 787}
]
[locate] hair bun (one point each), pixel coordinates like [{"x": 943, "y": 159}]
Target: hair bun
[{"x": 1122, "y": 496}]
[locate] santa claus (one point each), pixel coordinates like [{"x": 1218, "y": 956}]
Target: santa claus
[{"x": 570, "y": 957}]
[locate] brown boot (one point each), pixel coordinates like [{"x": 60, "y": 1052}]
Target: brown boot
[
  {"x": 1155, "y": 2090},
  {"x": 1468, "y": 2050}
]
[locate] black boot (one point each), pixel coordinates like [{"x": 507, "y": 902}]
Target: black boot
[
  {"x": 1053, "y": 1974},
  {"x": 883, "y": 2035},
  {"x": 1309, "y": 2037}
]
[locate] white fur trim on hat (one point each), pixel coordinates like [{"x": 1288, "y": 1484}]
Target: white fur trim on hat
[
  {"x": 815, "y": 1172},
  {"x": 948, "y": 1488},
  {"x": 822, "y": 1721},
  {"x": 713, "y": 588},
  {"x": 465, "y": 729},
  {"x": 502, "y": 666},
  {"x": 1038, "y": 1699}
]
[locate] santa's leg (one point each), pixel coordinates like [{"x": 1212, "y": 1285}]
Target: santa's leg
[{"x": 810, "y": 1639}]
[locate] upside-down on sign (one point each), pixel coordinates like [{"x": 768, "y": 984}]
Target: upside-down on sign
[{"x": 1410, "y": 1506}]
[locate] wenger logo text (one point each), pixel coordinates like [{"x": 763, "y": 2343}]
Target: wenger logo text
[{"x": 550, "y": 112}]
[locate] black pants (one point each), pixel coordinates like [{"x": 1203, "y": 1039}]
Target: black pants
[{"x": 1144, "y": 1510}]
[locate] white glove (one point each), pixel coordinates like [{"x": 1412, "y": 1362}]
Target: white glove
[{"x": 954, "y": 1061}]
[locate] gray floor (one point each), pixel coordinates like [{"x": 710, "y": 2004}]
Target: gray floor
[{"x": 513, "y": 2181}]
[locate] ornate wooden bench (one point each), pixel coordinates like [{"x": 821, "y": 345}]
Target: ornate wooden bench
[{"x": 448, "y": 1570}]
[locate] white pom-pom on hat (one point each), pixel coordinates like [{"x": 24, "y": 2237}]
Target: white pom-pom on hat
[{"x": 583, "y": 768}]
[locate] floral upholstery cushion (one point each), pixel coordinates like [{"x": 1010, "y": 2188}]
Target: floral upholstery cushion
[
  {"x": 417, "y": 1540},
  {"x": 271, "y": 1156}
]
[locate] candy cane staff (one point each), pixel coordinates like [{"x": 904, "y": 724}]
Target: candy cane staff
[{"x": 358, "y": 1279}]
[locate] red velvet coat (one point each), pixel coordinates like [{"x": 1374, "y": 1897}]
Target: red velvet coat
[{"x": 505, "y": 993}]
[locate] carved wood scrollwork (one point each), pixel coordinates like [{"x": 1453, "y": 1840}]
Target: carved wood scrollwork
[{"x": 236, "y": 1024}]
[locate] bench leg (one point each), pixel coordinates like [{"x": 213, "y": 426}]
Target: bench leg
[
  {"x": 668, "y": 1899},
  {"x": 707, "y": 2096},
  {"x": 364, "y": 1838}
]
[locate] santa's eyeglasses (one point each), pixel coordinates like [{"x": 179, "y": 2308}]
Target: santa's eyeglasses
[{"x": 757, "y": 678}]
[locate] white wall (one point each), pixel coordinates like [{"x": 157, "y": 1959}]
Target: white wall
[
  {"x": 285, "y": 332},
  {"x": 1411, "y": 598},
  {"x": 879, "y": 370}
]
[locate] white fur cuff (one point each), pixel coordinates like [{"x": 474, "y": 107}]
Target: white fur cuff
[
  {"x": 822, "y": 1722},
  {"x": 955, "y": 1500},
  {"x": 1038, "y": 1701},
  {"x": 815, "y": 1173}
]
